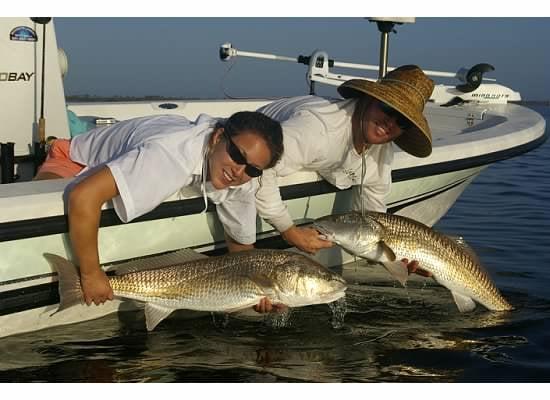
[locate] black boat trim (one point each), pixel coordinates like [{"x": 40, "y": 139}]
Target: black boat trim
[
  {"x": 45, "y": 294},
  {"x": 58, "y": 224}
]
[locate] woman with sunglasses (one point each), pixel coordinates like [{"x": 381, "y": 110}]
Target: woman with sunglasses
[
  {"x": 348, "y": 142},
  {"x": 140, "y": 162}
]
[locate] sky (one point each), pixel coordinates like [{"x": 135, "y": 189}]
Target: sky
[{"x": 125, "y": 53}]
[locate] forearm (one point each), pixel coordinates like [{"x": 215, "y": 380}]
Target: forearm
[
  {"x": 270, "y": 205},
  {"x": 84, "y": 210},
  {"x": 234, "y": 246},
  {"x": 83, "y": 232}
]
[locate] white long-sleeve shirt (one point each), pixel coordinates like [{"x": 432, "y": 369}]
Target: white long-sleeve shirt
[
  {"x": 153, "y": 157},
  {"x": 318, "y": 137}
]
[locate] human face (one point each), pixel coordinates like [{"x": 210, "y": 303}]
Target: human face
[
  {"x": 378, "y": 123},
  {"x": 225, "y": 161}
]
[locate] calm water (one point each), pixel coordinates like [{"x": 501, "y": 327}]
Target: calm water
[{"x": 389, "y": 334}]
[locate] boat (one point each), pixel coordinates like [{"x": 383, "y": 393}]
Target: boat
[{"x": 475, "y": 122}]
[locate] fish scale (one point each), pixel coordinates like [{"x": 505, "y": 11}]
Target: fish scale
[
  {"x": 224, "y": 283},
  {"x": 451, "y": 264}
]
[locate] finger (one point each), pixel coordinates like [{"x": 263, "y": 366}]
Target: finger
[
  {"x": 267, "y": 305},
  {"x": 412, "y": 267},
  {"x": 423, "y": 272},
  {"x": 279, "y": 307}
]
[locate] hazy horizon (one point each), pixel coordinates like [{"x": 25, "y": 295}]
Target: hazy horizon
[{"x": 178, "y": 57}]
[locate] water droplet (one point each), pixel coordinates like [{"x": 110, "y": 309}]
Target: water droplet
[{"x": 338, "y": 309}]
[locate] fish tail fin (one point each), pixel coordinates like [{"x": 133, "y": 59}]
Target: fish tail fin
[
  {"x": 398, "y": 270},
  {"x": 70, "y": 292}
]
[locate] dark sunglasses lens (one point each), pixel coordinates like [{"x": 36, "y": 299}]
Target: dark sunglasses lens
[
  {"x": 234, "y": 152},
  {"x": 401, "y": 121},
  {"x": 252, "y": 172},
  {"x": 238, "y": 158},
  {"x": 389, "y": 111}
]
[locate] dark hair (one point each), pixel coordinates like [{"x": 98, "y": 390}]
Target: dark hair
[{"x": 269, "y": 129}]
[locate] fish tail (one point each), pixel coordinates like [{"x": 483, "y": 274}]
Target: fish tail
[{"x": 70, "y": 292}]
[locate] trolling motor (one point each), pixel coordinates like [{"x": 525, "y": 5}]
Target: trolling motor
[
  {"x": 472, "y": 78},
  {"x": 472, "y": 84}
]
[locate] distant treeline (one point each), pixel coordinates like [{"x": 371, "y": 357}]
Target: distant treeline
[
  {"x": 533, "y": 102},
  {"x": 92, "y": 98}
]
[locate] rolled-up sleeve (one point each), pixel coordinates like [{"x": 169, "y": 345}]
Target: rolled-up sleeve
[{"x": 304, "y": 139}]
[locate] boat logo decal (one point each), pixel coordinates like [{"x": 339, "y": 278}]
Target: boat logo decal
[
  {"x": 15, "y": 76},
  {"x": 23, "y": 34}
]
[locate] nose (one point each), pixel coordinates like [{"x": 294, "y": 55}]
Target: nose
[
  {"x": 391, "y": 122},
  {"x": 238, "y": 171}
]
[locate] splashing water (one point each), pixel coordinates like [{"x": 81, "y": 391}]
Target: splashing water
[
  {"x": 220, "y": 320},
  {"x": 338, "y": 309},
  {"x": 278, "y": 320}
]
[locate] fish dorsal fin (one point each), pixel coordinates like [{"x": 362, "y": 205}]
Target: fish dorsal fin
[
  {"x": 464, "y": 303},
  {"x": 164, "y": 260},
  {"x": 154, "y": 314}
]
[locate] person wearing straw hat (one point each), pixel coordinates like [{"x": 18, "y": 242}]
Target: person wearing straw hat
[{"x": 349, "y": 143}]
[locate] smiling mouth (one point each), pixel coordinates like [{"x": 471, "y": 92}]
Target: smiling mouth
[
  {"x": 228, "y": 177},
  {"x": 382, "y": 131}
]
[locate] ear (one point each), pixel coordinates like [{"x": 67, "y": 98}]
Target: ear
[{"x": 216, "y": 136}]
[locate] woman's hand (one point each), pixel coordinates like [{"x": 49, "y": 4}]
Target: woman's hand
[
  {"x": 413, "y": 268},
  {"x": 96, "y": 287},
  {"x": 306, "y": 239},
  {"x": 265, "y": 306}
]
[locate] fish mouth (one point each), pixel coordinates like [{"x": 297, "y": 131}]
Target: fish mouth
[
  {"x": 324, "y": 231},
  {"x": 334, "y": 295},
  {"x": 339, "y": 287}
]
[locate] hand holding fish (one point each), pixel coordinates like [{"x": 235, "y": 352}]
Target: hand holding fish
[
  {"x": 265, "y": 306},
  {"x": 414, "y": 268},
  {"x": 96, "y": 287},
  {"x": 392, "y": 240},
  {"x": 306, "y": 239}
]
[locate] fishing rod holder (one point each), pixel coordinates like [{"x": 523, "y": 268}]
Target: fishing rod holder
[{"x": 7, "y": 162}]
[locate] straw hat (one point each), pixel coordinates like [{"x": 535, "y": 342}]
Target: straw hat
[{"x": 406, "y": 89}]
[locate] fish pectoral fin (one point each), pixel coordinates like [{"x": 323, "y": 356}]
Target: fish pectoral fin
[
  {"x": 387, "y": 251},
  {"x": 398, "y": 270},
  {"x": 464, "y": 303},
  {"x": 264, "y": 283},
  {"x": 154, "y": 314}
]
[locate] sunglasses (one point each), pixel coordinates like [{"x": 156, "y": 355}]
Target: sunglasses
[
  {"x": 400, "y": 120},
  {"x": 238, "y": 158}
]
